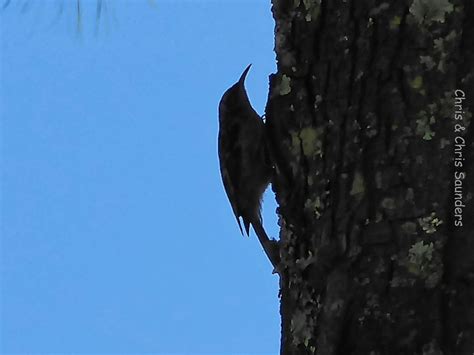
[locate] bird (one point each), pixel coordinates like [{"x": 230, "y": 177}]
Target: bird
[{"x": 244, "y": 160}]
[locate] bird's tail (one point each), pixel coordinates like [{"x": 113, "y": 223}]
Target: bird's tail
[{"x": 270, "y": 246}]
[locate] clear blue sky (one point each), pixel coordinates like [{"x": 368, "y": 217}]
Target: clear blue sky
[{"x": 116, "y": 234}]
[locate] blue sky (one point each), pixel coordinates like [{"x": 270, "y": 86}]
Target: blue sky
[{"x": 116, "y": 234}]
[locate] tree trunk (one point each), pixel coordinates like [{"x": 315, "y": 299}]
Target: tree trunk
[{"x": 371, "y": 163}]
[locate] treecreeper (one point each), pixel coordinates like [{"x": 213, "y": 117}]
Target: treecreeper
[{"x": 245, "y": 165}]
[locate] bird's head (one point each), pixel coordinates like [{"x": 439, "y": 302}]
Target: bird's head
[{"x": 235, "y": 98}]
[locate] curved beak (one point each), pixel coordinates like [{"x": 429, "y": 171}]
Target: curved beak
[{"x": 244, "y": 75}]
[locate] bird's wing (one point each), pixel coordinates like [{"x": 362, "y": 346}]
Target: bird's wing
[
  {"x": 229, "y": 189},
  {"x": 230, "y": 162}
]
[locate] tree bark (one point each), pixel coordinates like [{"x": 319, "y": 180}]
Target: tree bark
[{"x": 369, "y": 166}]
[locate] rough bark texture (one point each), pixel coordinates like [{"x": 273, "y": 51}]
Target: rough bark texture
[{"x": 361, "y": 122}]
